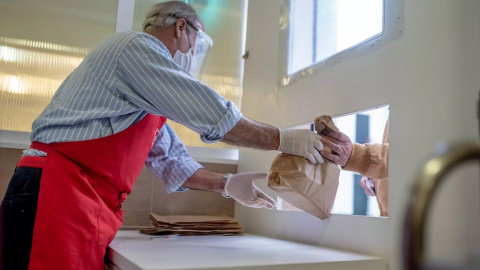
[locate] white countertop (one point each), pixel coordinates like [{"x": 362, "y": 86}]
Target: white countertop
[{"x": 134, "y": 251}]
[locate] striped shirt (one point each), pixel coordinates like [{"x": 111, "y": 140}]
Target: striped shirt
[{"x": 127, "y": 76}]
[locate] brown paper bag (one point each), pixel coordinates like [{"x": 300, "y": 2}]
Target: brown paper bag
[
  {"x": 324, "y": 124},
  {"x": 309, "y": 187}
]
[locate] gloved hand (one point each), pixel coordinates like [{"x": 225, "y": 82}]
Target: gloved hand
[
  {"x": 241, "y": 188},
  {"x": 301, "y": 142}
]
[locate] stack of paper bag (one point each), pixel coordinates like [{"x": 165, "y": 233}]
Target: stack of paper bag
[
  {"x": 193, "y": 225},
  {"x": 309, "y": 187}
]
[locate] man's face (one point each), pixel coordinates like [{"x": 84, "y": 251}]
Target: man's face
[
  {"x": 188, "y": 36},
  {"x": 193, "y": 44}
]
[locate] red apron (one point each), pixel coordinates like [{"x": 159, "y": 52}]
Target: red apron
[{"x": 82, "y": 188}]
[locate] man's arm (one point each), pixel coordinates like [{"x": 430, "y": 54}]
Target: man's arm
[
  {"x": 239, "y": 186},
  {"x": 169, "y": 160},
  {"x": 248, "y": 133},
  {"x": 154, "y": 83},
  {"x": 204, "y": 179},
  {"x": 300, "y": 142},
  {"x": 149, "y": 79}
]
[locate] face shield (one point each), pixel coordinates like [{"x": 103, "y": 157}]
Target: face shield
[
  {"x": 203, "y": 43},
  {"x": 202, "y": 46}
]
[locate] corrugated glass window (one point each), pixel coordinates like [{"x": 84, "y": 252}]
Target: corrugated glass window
[{"x": 41, "y": 42}]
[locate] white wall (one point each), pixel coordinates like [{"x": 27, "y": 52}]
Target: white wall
[{"x": 431, "y": 78}]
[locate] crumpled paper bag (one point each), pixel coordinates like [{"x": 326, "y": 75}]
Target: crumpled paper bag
[
  {"x": 324, "y": 124},
  {"x": 309, "y": 187}
]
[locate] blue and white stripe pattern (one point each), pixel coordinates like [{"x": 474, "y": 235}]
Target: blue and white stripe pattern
[{"x": 127, "y": 76}]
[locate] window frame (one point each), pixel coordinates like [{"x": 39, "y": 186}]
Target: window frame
[{"x": 392, "y": 29}]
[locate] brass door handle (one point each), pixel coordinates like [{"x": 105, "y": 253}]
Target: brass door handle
[{"x": 426, "y": 183}]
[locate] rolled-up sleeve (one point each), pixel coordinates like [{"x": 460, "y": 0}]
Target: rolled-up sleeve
[
  {"x": 370, "y": 160},
  {"x": 150, "y": 79},
  {"x": 169, "y": 160}
]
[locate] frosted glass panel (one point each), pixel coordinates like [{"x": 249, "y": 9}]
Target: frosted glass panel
[
  {"x": 224, "y": 21},
  {"x": 41, "y": 42}
]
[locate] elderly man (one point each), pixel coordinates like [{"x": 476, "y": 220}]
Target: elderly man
[{"x": 63, "y": 204}]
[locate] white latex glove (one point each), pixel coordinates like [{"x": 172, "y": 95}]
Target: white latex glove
[
  {"x": 241, "y": 188},
  {"x": 301, "y": 142}
]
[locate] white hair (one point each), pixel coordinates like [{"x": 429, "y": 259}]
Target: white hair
[{"x": 167, "y": 13}]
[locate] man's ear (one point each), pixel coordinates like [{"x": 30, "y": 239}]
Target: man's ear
[{"x": 180, "y": 26}]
